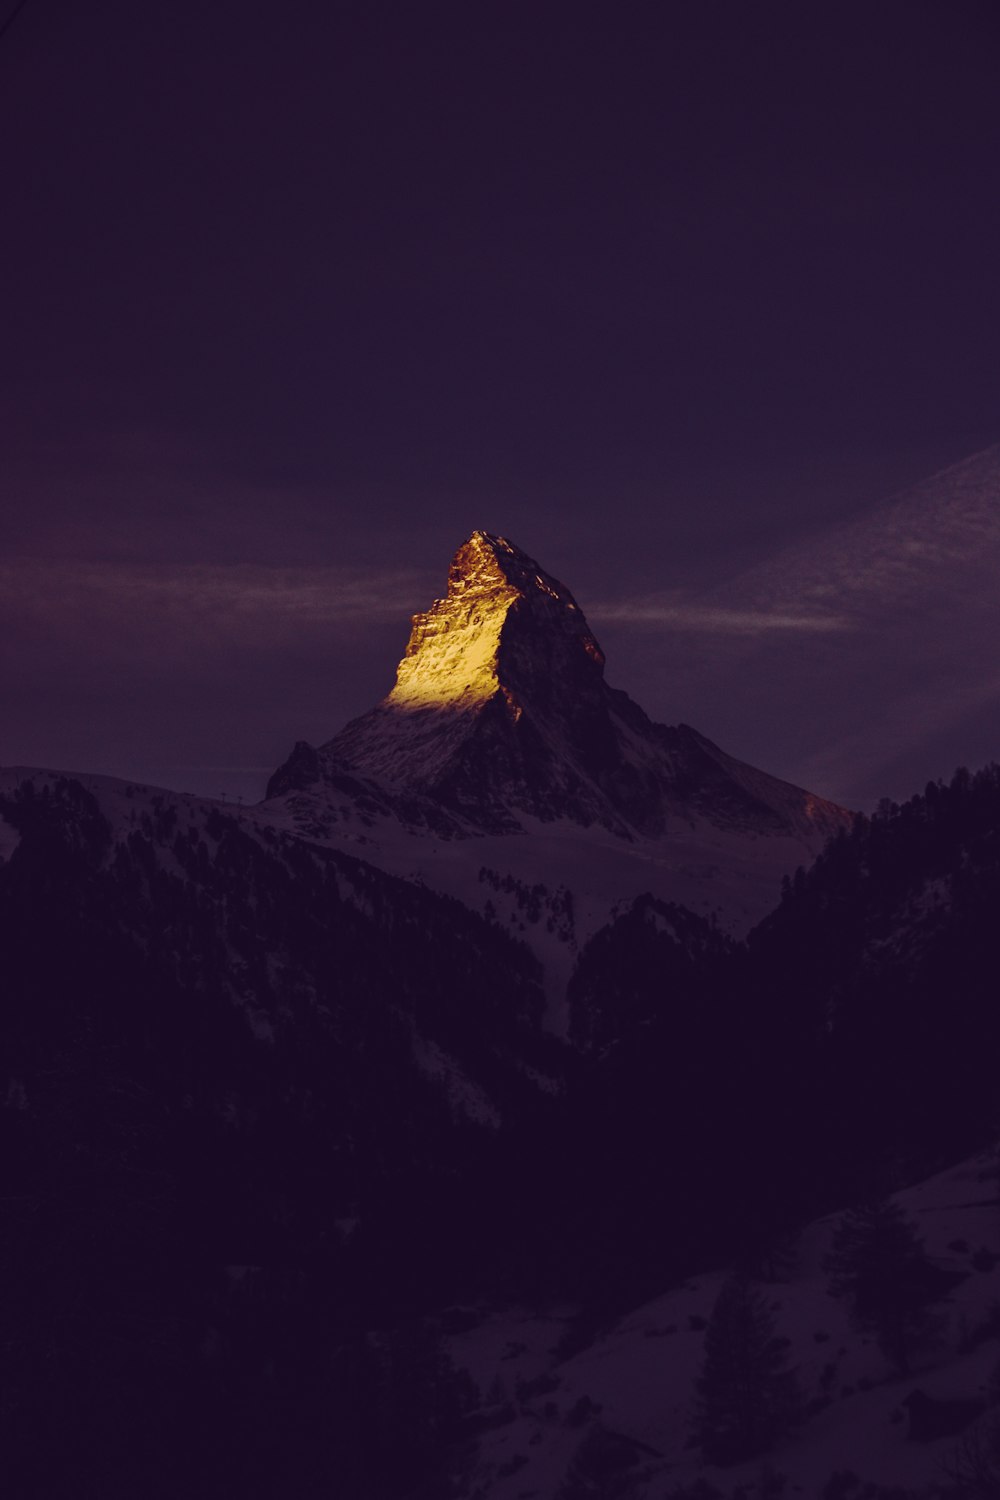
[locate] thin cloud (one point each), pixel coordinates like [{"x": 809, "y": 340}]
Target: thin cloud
[
  {"x": 940, "y": 538},
  {"x": 712, "y": 620},
  {"x": 912, "y": 685},
  {"x": 242, "y": 594}
]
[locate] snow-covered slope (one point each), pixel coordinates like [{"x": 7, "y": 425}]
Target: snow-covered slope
[
  {"x": 633, "y": 1381},
  {"x": 204, "y": 889},
  {"x": 502, "y": 761}
]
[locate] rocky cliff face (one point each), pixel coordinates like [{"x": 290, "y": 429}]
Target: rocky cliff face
[
  {"x": 500, "y": 710},
  {"x": 504, "y": 627},
  {"x": 499, "y": 701}
]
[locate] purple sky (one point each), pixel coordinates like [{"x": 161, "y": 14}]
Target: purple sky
[{"x": 296, "y": 297}]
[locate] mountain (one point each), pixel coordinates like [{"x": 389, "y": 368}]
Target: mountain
[
  {"x": 254, "y": 1095},
  {"x": 284, "y": 938},
  {"x": 502, "y": 758},
  {"x": 853, "y": 1034},
  {"x": 879, "y": 969},
  {"x": 287, "y": 1138}
]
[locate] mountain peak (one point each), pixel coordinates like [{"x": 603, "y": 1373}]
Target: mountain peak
[
  {"x": 500, "y": 710},
  {"x": 464, "y": 649},
  {"x": 487, "y": 561}
]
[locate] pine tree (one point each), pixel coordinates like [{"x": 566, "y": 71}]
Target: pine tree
[
  {"x": 878, "y": 1262},
  {"x": 746, "y": 1394},
  {"x": 974, "y": 1464}
]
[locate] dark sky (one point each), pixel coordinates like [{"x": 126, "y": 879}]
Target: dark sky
[{"x": 297, "y": 296}]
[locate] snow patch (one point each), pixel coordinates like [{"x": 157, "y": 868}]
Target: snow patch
[
  {"x": 466, "y": 1099},
  {"x": 9, "y": 840}
]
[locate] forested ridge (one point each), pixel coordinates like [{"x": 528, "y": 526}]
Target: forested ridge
[
  {"x": 223, "y": 1164},
  {"x": 242, "y": 1188}
]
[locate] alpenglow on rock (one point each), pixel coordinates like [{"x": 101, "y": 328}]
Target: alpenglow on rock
[{"x": 500, "y": 711}]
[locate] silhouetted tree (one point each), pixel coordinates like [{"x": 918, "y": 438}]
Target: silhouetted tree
[
  {"x": 974, "y": 1464},
  {"x": 877, "y": 1261},
  {"x": 746, "y": 1395}
]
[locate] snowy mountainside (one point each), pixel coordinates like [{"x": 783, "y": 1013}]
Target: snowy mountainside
[
  {"x": 252, "y": 1093},
  {"x": 628, "y": 1392},
  {"x": 288, "y": 934},
  {"x": 254, "y": 1085},
  {"x": 579, "y": 876},
  {"x": 501, "y": 748}
]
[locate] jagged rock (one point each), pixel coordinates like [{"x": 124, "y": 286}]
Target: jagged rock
[
  {"x": 301, "y": 769},
  {"x": 500, "y": 710}
]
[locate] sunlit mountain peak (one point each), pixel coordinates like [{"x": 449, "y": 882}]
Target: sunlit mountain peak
[{"x": 461, "y": 651}]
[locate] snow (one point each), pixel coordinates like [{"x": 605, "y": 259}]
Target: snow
[
  {"x": 9, "y": 840},
  {"x": 717, "y": 873},
  {"x": 552, "y": 883},
  {"x": 128, "y": 807},
  {"x": 641, "y": 1370},
  {"x": 467, "y": 1100}
]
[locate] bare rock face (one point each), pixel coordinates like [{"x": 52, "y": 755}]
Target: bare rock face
[
  {"x": 503, "y": 627},
  {"x": 500, "y": 710},
  {"x": 499, "y": 704}
]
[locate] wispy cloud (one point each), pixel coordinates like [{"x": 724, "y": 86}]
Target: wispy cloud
[
  {"x": 940, "y": 538},
  {"x": 242, "y": 594},
  {"x": 869, "y": 648},
  {"x": 655, "y": 610}
]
